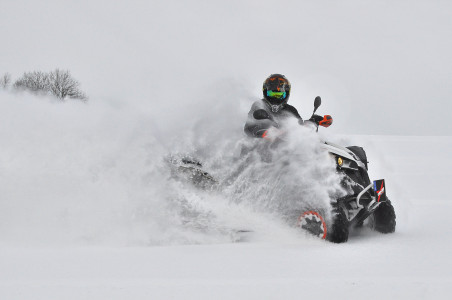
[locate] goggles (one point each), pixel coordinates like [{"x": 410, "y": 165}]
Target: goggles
[{"x": 276, "y": 95}]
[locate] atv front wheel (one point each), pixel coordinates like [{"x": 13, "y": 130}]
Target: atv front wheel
[
  {"x": 339, "y": 228},
  {"x": 384, "y": 218}
]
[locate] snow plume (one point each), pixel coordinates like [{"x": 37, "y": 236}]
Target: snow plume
[
  {"x": 287, "y": 177},
  {"x": 75, "y": 171},
  {"x": 99, "y": 173},
  {"x": 273, "y": 181}
]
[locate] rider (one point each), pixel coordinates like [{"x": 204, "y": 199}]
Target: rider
[{"x": 276, "y": 90}]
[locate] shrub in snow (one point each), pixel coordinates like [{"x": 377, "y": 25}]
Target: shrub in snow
[
  {"x": 58, "y": 83},
  {"x": 62, "y": 85},
  {"x": 36, "y": 82}
]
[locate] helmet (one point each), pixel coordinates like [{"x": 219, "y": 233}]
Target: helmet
[{"x": 276, "y": 91}]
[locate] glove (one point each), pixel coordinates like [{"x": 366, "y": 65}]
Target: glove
[{"x": 273, "y": 133}]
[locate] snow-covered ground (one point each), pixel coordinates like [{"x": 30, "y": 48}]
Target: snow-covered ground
[{"x": 106, "y": 255}]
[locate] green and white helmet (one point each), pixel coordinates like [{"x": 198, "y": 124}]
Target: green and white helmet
[{"x": 276, "y": 90}]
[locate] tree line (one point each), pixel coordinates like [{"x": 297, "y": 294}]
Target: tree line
[{"x": 58, "y": 83}]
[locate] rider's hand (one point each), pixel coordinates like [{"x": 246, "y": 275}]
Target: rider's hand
[{"x": 272, "y": 134}]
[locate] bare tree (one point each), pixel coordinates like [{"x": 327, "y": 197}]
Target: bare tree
[
  {"x": 58, "y": 83},
  {"x": 62, "y": 85},
  {"x": 5, "y": 80},
  {"x": 36, "y": 81}
]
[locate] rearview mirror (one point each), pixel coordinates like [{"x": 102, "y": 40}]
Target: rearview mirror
[
  {"x": 261, "y": 114},
  {"x": 317, "y": 102}
]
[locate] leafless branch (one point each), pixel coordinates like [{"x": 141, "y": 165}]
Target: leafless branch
[
  {"x": 63, "y": 86},
  {"x": 36, "y": 81}
]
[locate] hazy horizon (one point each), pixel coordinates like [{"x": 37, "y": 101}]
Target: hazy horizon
[{"x": 381, "y": 67}]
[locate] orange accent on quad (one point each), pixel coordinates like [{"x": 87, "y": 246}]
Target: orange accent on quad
[{"x": 327, "y": 121}]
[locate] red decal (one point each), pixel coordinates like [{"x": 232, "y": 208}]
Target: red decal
[{"x": 380, "y": 192}]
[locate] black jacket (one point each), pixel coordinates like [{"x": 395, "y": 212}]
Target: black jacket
[{"x": 256, "y": 128}]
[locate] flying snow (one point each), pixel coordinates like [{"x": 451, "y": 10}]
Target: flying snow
[{"x": 99, "y": 173}]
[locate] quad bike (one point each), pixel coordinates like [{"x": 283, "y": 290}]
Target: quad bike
[{"x": 364, "y": 199}]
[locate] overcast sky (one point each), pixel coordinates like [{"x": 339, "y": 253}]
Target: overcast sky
[{"x": 381, "y": 67}]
